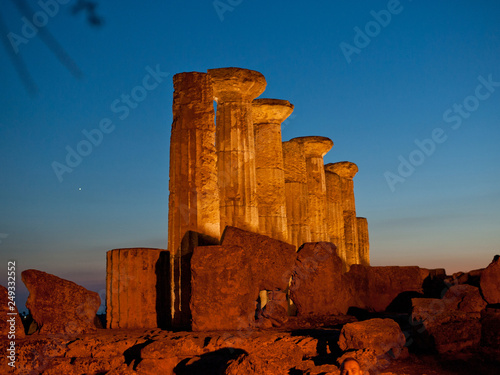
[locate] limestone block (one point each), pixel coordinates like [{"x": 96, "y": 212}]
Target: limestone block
[
  {"x": 271, "y": 261},
  {"x": 268, "y": 114},
  {"x": 137, "y": 288},
  {"x": 490, "y": 281},
  {"x": 316, "y": 287},
  {"x": 380, "y": 335},
  {"x": 234, "y": 90},
  {"x": 466, "y": 298},
  {"x": 223, "y": 296},
  {"x": 59, "y": 305},
  {"x": 374, "y": 288},
  {"x": 363, "y": 241},
  {"x": 296, "y": 192},
  {"x": 9, "y": 313}
]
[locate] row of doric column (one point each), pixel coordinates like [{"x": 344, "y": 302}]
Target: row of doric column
[{"x": 237, "y": 171}]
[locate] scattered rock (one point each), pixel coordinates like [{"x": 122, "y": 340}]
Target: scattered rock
[
  {"x": 439, "y": 324},
  {"x": 466, "y": 298},
  {"x": 490, "y": 328},
  {"x": 379, "y": 335},
  {"x": 223, "y": 296},
  {"x": 490, "y": 281},
  {"x": 316, "y": 282},
  {"x": 10, "y": 321},
  {"x": 271, "y": 261},
  {"x": 59, "y": 305},
  {"x": 244, "y": 364},
  {"x": 374, "y": 288}
]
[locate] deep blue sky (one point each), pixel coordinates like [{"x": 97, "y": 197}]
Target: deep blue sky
[{"x": 394, "y": 91}]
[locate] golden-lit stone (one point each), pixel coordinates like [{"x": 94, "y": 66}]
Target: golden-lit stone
[
  {"x": 347, "y": 170},
  {"x": 137, "y": 294},
  {"x": 335, "y": 214},
  {"x": 363, "y": 241},
  {"x": 234, "y": 90},
  {"x": 314, "y": 149},
  {"x": 296, "y": 192},
  {"x": 194, "y": 192},
  {"x": 268, "y": 114}
]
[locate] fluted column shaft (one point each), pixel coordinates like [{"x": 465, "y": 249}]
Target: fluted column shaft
[
  {"x": 346, "y": 171},
  {"x": 137, "y": 288},
  {"x": 194, "y": 193},
  {"x": 315, "y": 148},
  {"x": 234, "y": 90},
  {"x": 268, "y": 114},
  {"x": 335, "y": 213},
  {"x": 296, "y": 192},
  {"x": 363, "y": 241}
]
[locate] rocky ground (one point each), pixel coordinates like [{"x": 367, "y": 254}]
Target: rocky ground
[{"x": 308, "y": 350}]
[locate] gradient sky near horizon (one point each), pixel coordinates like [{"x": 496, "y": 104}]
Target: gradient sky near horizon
[{"x": 377, "y": 97}]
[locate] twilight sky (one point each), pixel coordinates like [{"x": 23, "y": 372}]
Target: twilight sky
[{"x": 407, "y": 90}]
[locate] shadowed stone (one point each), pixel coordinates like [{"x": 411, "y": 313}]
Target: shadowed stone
[
  {"x": 137, "y": 293},
  {"x": 268, "y": 114},
  {"x": 490, "y": 281},
  {"x": 9, "y": 314},
  {"x": 59, "y": 305},
  {"x": 234, "y": 90}
]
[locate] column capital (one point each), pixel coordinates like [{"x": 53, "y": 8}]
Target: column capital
[
  {"x": 271, "y": 110},
  {"x": 315, "y": 146},
  {"x": 235, "y": 84},
  {"x": 344, "y": 169}
]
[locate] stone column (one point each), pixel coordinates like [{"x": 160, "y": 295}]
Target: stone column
[
  {"x": 296, "y": 192},
  {"x": 268, "y": 114},
  {"x": 335, "y": 212},
  {"x": 234, "y": 90},
  {"x": 137, "y": 288},
  {"x": 363, "y": 241},
  {"x": 314, "y": 150},
  {"x": 347, "y": 170},
  {"x": 194, "y": 194}
]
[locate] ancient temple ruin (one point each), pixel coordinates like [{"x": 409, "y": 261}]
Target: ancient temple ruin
[
  {"x": 229, "y": 167},
  {"x": 235, "y": 170}
]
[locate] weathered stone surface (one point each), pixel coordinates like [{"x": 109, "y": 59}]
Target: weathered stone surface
[
  {"x": 347, "y": 170},
  {"x": 490, "y": 281},
  {"x": 379, "y": 335},
  {"x": 244, "y": 364},
  {"x": 374, "y": 288},
  {"x": 466, "y": 298},
  {"x": 223, "y": 296},
  {"x": 314, "y": 149},
  {"x": 490, "y": 328},
  {"x": 316, "y": 281},
  {"x": 363, "y": 241},
  {"x": 335, "y": 214},
  {"x": 59, "y": 305},
  {"x": 137, "y": 293},
  {"x": 441, "y": 327},
  {"x": 194, "y": 192},
  {"x": 276, "y": 308},
  {"x": 268, "y": 114},
  {"x": 234, "y": 90},
  {"x": 270, "y": 261},
  {"x": 10, "y": 323},
  {"x": 296, "y": 192}
]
